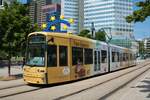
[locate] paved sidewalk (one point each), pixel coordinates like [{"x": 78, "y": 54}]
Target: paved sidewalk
[{"x": 15, "y": 70}]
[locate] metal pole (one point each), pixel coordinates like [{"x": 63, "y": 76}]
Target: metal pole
[
  {"x": 109, "y": 50},
  {"x": 9, "y": 59},
  {"x": 93, "y": 30},
  {"x": 108, "y": 43}
]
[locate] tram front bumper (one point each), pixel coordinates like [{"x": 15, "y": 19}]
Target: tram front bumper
[{"x": 34, "y": 77}]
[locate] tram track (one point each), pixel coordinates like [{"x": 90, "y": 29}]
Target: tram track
[
  {"x": 123, "y": 85},
  {"x": 22, "y": 88},
  {"x": 9, "y": 87},
  {"x": 16, "y": 90},
  {"x": 104, "y": 82}
]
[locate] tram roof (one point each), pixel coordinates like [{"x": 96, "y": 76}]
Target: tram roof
[
  {"x": 68, "y": 35},
  {"x": 65, "y": 35}
]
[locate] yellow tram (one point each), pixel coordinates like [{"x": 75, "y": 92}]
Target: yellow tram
[{"x": 57, "y": 57}]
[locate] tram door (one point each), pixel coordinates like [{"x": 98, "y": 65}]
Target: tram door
[
  {"x": 96, "y": 60},
  {"x": 57, "y": 64}
]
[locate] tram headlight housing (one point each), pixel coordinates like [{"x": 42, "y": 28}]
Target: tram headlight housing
[{"x": 41, "y": 70}]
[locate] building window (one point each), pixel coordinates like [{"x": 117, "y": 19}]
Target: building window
[
  {"x": 52, "y": 56},
  {"x": 63, "y": 56},
  {"x": 88, "y": 56},
  {"x": 77, "y": 55}
]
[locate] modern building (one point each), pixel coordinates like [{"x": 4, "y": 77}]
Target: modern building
[
  {"x": 35, "y": 10},
  {"x": 147, "y": 45},
  {"x": 70, "y": 9},
  {"x": 107, "y": 14},
  {"x": 110, "y": 15},
  {"x": 7, "y": 1},
  {"x": 51, "y": 10},
  {"x": 0, "y": 2}
]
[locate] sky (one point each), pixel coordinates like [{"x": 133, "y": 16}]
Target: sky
[{"x": 141, "y": 29}]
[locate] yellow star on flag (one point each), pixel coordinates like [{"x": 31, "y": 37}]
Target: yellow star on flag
[
  {"x": 62, "y": 17},
  {"x": 65, "y": 27},
  {"x": 53, "y": 28},
  {"x": 44, "y": 25},
  {"x": 52, "y": 18},
  {"x": 71, "y": 20}
]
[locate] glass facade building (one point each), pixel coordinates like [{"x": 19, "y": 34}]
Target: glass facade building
[
  {"x": 70, "y": 9},
  {"x": 109, "y": 14},
  {"x": 7, "y": 1},
  {"x": 0, "y": 2},
  {"x": 102, "y": 13}
]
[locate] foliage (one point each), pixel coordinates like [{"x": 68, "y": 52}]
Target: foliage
[
  {"x": 15, "y": 25},
  {"x": 100, "y": 35},
  {"x": 85, "y": 33},
  {"x": 142, "y": 13},
  {"x": 141, "y": 47}
]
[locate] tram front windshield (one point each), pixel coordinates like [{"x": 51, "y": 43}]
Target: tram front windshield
[{"x": 35, "y": 54}]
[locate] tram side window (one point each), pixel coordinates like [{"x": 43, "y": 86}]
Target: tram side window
[
  {"x": 113, "y": 56},
  {"x": 77, "y": 55},
  {"x": 52, "y": 56},
  {"x": 104, "y": 56},
  {"x": 124, "y": 56},
  {"x": 131, "y": 58},
  {"x": 121, "y": 57},
  {"x": 88, "y": 56},
  {"x": 127, "y": 56},
  {"x": 63, "y": 56},
  {"x": 134, "y": 56},
  {"x": 118, "y": 56}
]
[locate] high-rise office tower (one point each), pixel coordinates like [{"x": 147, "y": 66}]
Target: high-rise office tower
[
  {"x": 69, "y": 8},
  {"x": 0, "y": 2},
  {"x": 7, "y": 1},
  {"x": 73, "y": 9},
  {"x": 109, "y": 14},
  {"x": 49, "y": 11},
  {"x": 35, "y": 10}
]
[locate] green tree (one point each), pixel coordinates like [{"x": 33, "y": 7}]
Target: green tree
[
  {"x": 141, "y": 47},
  {"x": 142, "y": 13},
  {"x": 15, "y": 25},
  {"x": 85, "y": 33},
  {"x": 100, "y": 35}
]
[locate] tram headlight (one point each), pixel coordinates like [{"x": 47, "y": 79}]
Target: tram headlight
[{"x": 42, "y": 71}]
